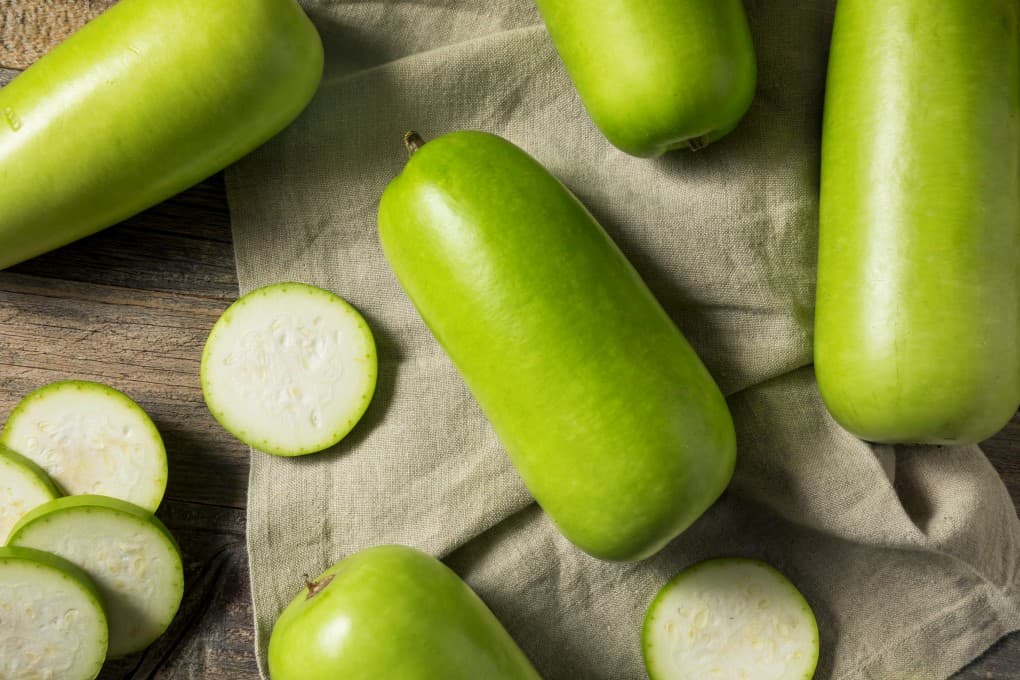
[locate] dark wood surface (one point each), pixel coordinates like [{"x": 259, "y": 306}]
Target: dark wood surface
[{"x": 131, "y": 307}]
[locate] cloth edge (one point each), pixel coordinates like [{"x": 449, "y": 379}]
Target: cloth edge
[{"x": 952, "y": 631}]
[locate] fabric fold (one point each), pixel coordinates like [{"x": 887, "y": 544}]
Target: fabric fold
[{"x": 907, "y": 554}]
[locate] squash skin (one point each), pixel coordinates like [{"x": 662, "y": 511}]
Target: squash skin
[
  {"x": 392, "y": 612},
  {"x": 917, "y": 335},
  {"x": 657, "y": 75},
  {"x": 610, "y": 417},
  {"x": 141, "y": 103}
]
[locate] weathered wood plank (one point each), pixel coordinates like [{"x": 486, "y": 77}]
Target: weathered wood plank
[
  {"x": 182, "y": 246},
  {"x": 1000, "y": 662},
  {"x": 128, "y": 308},
  {"x": 131, "y": 306},
  {"x": 212, "y": 636},
  {"x": 147, "y": 343},
  {"x": 143, "y": 333},
  {"x": 30, "y": 28},
  {"x": 1004, "y": 451}
]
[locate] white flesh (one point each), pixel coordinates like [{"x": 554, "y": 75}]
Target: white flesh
[
  {"x": 289, "y": 369},
  {"x": 21, "y": 489},
  {"x": 730, "y": 619},
  {"x": 51, "y": 626},
  {"x": 133, "y": 563},
  {"x": 91, "y": 439}
]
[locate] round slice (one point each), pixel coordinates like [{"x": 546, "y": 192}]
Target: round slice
[
  {"x": 90, "y": 439},
  {"x": 730, "y": 618},
  {"x": 52, "y": 623},
  {"x": 289, "y": 369},
  {"x": 125, "y": 550},
  {"x": 23, "y": 486}
]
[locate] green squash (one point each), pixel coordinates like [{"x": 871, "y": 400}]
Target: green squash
[
  {"x": 392, "y": 612},
  {"x": 657, "y": 75},
  {"x": 608, "y": 414},
  {"x": 917, "y": 334},
  {"x": 144, "y": 101}
]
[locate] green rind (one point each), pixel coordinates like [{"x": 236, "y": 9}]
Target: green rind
[
  {"x": 58, "y": 564},
  {"x": 33, "y": 471},
  {"x": 68, "y": 571},
  {"x": 917, "y": 336},
  {"x": 610, "y": 417},
  {"x": 657, "y": 75},
  {"x": 143, "y": 130},
  {"x": 90, "y": 503},
  {"x": 29, "y": 465},
  {"x": 41, "y": 393},
  {"x": 405, "y": 615},
  {"x": 265, "y": 446},
  {"x": 93, "y": 500},
  {"x": 649, "y": 621}
]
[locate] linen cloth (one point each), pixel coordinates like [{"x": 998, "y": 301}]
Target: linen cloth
[{"x": 908, "y": 555}]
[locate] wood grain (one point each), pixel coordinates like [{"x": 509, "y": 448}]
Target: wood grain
[
  {"x": 126, "y": 308},
  {"x": 131, "y": 307},
  {"x": 212, "y": 635},
  {"x": 30, "y": 28}
]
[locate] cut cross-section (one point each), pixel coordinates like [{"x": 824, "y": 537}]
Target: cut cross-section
[
  {"x": 289, "y": 369},
  {"x": 730, "y": 619},
  {"x": 90, "y": 439},
  {"x": 23, "y": 486},
  {"x": 51, "y": 618},
  {"x": 125, "y": 550}
]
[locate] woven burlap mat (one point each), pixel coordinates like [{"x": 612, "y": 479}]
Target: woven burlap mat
[{"x": 30, "y": 28}]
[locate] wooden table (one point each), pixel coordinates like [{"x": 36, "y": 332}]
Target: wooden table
[{"x": 131, "y": 307}]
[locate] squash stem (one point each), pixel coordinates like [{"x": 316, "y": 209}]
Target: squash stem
[
  {"x": 313, "y": 588},
  {"x": 412, "y": 142},
  {"x": 697, "y": 143}
]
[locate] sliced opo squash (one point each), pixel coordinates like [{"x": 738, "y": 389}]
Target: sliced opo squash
[
  {"x": 125, "y": 550},
  {"x": 90, "y": 439},
  {"x": 289, "y": 369},
  {"x": 52, "y": 623},
  {"x": 730, "y": 619},
  {"x": 23, "y": 486}
]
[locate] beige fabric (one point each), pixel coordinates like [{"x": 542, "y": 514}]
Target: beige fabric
[{"x": 908, "y": 555}]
